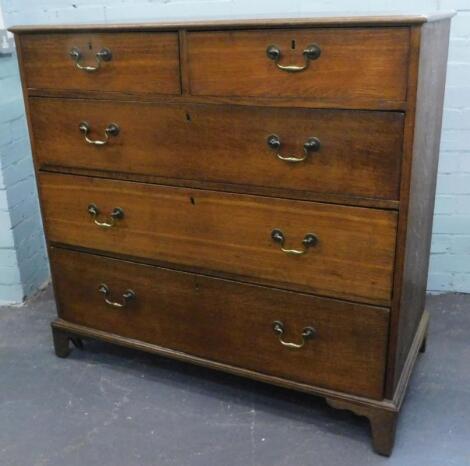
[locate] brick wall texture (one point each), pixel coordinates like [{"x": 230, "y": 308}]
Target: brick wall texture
[
  {"x": 23, "y": 264},
  {"x": 450, "y": 255}
]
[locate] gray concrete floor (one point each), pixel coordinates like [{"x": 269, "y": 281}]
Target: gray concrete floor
[{"x": 114, "y": 406}]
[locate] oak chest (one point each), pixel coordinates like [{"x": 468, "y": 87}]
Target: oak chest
[{"x": 252, "y": 196}]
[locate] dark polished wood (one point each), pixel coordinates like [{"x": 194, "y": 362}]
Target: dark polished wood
[
  {"x": 418, "y": 192},
  {"x": 229, "y": 232},
  {"x": 354, "y": 64},
  {"x": 61, "y": 343},
  {"x": 359, "y": 153},
  {"x": 201, "y": 316},
  {"x": 140, "y": 63},
  {"x": 281, "y": 101},
  {"x": 196, "y": 193},
  {"x": 382, "y": 414},
  {"x": 382, "y": 423},
  {"x": 329, "y": 198},
  {"x": 383, "y": 420},
  {"x": 308, "y": 20}
]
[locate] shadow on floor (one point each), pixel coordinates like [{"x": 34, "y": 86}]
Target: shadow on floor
[{"x": 108, "y": 405}]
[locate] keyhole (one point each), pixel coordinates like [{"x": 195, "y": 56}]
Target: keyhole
[
  {"x": 193, "y": 202},
  {"x": 292, "y": 44},
  {"x": 89, "y": 46},
  {"x": 188, "y": 116}
]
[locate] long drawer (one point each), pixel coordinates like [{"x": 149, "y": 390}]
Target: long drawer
[
  {"x": 342, "y": 65},
  {"x": 353, "y": 153},
  {"x": 343, "y": 347},
  {"x": 326, "y": 249},
  {"x": 133, "y": 62}
]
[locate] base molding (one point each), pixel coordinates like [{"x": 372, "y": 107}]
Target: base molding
[
  {"x": 382, "y": 414},
  {"x": 383, "y": 420}
]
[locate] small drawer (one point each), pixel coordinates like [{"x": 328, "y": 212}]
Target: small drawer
[
  {"x": 326, "y": 249},
  {"x": 321, "y": 342},
  {"x": 349, "y": 65},
  {"x": 140, "y": 63},
  {"x": 334, "y": 152}
]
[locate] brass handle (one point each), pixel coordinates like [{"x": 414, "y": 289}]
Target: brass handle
[
  {"x": 103, "y": 55},
  {"x": 116, "y": 214},
  {"x": 311, "y": 145},
  {"x": 311, "y": 52},
  {"x": 127, "y": 296},
  {"x": 307, "y": 334},
  {"x": 309, "y": 240},
  {"x": 111, "y": 130}
]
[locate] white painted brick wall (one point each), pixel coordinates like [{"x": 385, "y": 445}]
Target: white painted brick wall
[
  {"x": 450, "y": 260},
  {"x": 450, "y": 252},
  {"x": 23, "y": 264},
  {"x": 11, "y": 289}
]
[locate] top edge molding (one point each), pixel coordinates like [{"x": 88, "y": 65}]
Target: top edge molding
[{"x": 260, "y": 21}]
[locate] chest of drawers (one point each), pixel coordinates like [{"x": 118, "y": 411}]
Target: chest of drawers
[{"x": 251, "y": 196}]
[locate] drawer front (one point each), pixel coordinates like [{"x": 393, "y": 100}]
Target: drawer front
[
  {"x": 354, "y": 65},
  {"x": 350, "y": 254},
  {"x": 143, "y": 63},
  {"x": 356, "y": 153},
  {"x": 226, "y": 321}
]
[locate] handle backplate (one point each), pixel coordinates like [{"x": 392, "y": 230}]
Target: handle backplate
[
  {"x": 127, "y": 296},
  {"x": 311, "y": 145},
  {"x": 307, "y": 334},
  {"x": 311, "y": 52},
  {"x": 116, "y": 214},
  {"x": 111, "y": 130},
  {"x": 310, "y": 240},
  {"x": 103, "y": 55}
]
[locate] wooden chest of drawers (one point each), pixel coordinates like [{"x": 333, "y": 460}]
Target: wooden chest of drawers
[{"x": 252, "y": 196}]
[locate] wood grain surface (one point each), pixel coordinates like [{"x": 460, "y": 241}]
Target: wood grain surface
[
  {"x": 230, "y": 233},
  {"x": 228, "y": 322},
  {"x": 359, "y": 156},
  {"x": 355, "y": 64},
  {"x": 141, "y": 62}
]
